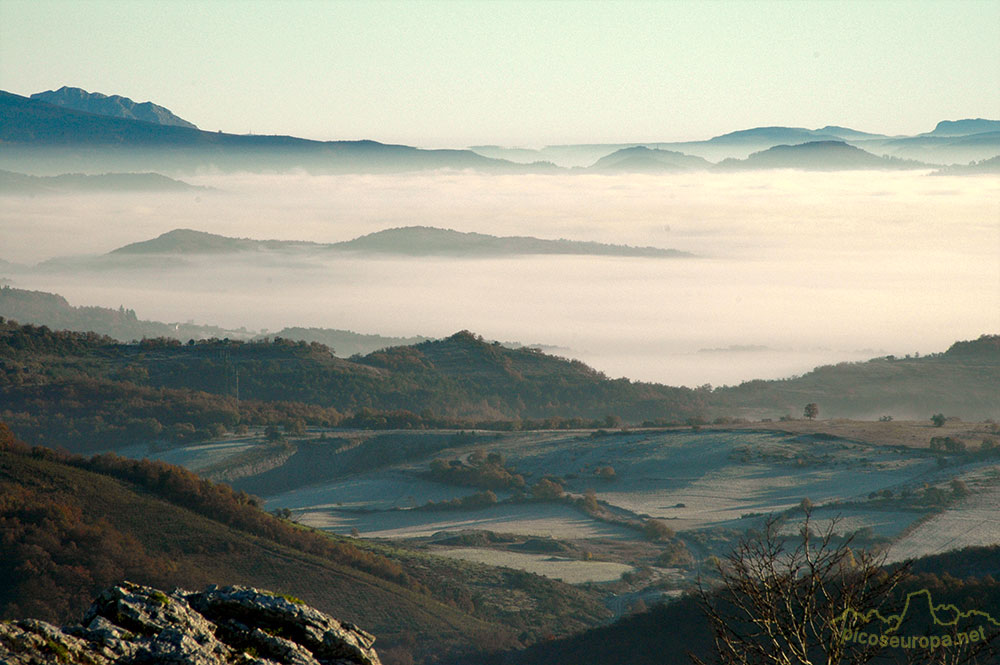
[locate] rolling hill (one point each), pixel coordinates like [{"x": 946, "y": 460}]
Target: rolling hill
[
  {"x": 959, "y": 382},
  {"x": 86, "y": 392},
  {"x": 19, "y": 183},
  {"x": 640, "y": 159},
  {"x": 48, "y": 309},
  {"x": 817, "y": 156}
]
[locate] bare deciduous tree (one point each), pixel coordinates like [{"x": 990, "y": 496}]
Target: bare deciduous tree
[{"x": 783, "y": 598}]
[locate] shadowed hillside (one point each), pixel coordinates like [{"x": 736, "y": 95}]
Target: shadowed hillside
[{"x": 74, "y": 525}]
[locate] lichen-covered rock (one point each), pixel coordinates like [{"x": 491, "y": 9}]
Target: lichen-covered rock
[
  {"x": 32, "y": 642},
  {"x": 135, "y": 625},
  {"x": 328, "y": 640}
]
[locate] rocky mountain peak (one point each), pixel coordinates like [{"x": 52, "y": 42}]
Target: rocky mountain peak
[{"x": 114, "y": 106}]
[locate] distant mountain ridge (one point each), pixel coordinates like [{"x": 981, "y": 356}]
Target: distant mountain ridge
[
  {"x": 409, "y": 241},
  {"x": 42, "y": 137},
  {"x": 964, "y": 127},
  {"x": 114, "y": 106},
  {"x": 951, "y": 142}
]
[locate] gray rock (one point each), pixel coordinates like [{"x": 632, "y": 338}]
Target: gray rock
[
  {"x": 33, "y": 642},
  {"x": 136, "y": 625}
]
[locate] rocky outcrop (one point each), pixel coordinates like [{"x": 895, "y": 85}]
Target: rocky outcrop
[
  {"x": 114, "y": 106},
  {"x": 136, "y": 625}
]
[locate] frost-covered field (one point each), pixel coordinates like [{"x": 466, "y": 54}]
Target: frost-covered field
[
  {"x": 972, "y": 521},
  {"x": 706, "y": 485},
  {"x": 532, "y": 519},
  {"x": 195, "y": 457},
  {"x": 571, "y": 571},
  {"x": 695, "y": 480}
]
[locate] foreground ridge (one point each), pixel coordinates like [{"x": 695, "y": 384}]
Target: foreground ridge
[{"x": 131, "y": 623}]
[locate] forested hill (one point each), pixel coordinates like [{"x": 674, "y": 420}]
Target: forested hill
[
  {"x": 84, "y": 391},
  {"x": 87, "y": 392},
  {"x": 49, "y": 309},
  {"x": 960, "y": 382}
]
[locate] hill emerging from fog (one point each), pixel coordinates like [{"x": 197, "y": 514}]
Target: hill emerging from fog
[
  {"x": 817, "y": 156},
  {"x": 114, "y": 106},
  {"x": 640, "y": 159},
  {"x": 19, "y": 183},
  {"x": 54, "y": 311},
  {"x": 985, "y": 166},
  {"x": 407, "y": 241}
]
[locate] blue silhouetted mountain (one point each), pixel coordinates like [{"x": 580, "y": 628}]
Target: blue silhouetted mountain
[
  {"x": 817, "y": 156},
  {"x": 964, "y": 127},
  {"x": 19, "y": 183},
  {"x": 409, "y": 241},
  {"x": 945, "y": 149},
  {"x": 114, "y": 106},
  {"x": 44, "y": 138},
  {"x": 847, "y": 133},
  {"x": 639, "y": 159},
  {"x": 774, "y": 136},
  {"x": 953, "y": 142}
]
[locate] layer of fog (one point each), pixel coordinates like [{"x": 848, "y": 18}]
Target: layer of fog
[{"x": 816, "y": 268}]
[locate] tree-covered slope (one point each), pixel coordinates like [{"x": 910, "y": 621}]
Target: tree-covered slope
[
  {"x": 74, "y": 525},
  {"x": 960, "y": 382}
]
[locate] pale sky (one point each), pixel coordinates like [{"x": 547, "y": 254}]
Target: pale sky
[{"x": 456, "y": 73}]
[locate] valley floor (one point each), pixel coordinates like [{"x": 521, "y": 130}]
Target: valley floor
[{"x": 638, "y": 513}]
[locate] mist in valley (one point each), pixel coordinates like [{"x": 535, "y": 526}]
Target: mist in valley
[{"x": 792, "y": 270}]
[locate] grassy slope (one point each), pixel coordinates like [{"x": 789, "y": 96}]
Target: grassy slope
[{"x": 205, "y": 551}]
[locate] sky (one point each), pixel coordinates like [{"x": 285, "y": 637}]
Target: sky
[{"x": 458, "y": 73}]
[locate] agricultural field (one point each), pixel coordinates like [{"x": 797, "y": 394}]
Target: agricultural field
[{"x": 633, "y": 509}]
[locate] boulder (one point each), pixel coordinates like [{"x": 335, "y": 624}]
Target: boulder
[{"x": 132, "y": 624}]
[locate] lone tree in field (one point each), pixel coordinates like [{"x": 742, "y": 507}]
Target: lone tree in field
[
  {"x": 811, "y": 410},
  {"x": 938, "y": 419}
]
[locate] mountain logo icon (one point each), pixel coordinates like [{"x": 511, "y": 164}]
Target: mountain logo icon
[{"x": 919, "y": 625}]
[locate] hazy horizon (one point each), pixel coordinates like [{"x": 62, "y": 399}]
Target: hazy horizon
[
  {"x": 436, "y": 73},
  {"x": 815, "y": 267}
]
